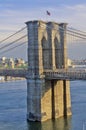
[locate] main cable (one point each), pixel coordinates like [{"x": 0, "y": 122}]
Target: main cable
[
  {"x": 13, "y": 47},
  {"x": 10, "y": 44},
  {"x": 12, "y": 35}
]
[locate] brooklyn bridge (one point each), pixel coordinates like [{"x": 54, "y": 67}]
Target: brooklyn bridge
[{"x": 47, "y": 74}]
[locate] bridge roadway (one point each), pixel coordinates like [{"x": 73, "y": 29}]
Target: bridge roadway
[
  {"x": 13, "y": 72},
  {"x": 64, "y": 74}
]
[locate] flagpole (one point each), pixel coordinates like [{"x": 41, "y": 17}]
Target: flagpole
[
  {"x": 47, "y": 14},
  {"x": 46, "y": 18}
]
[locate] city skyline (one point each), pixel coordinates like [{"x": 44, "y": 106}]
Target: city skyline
[{"x": 14, "y": 14}]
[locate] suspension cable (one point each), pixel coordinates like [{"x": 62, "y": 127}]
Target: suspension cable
[
  {"x": 12, "y": 35},
  {"x": 13, "y": 47},
  {"x": 10, "y": 44}
]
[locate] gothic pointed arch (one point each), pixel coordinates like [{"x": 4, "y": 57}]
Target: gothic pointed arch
[
  {"x": 57, "y": 53},
  {"x": 45, "y": 53}
]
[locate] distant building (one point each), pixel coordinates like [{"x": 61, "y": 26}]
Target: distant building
[
  {"x": 69, "y": 62},
  {"x": 19, "y": 62},
  {"x": 11, "y": 63}
]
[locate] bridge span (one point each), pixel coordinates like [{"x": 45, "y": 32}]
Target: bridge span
[
  {"x": 14, "y": 72},
  {"x": 58, "y": 74},
  {"x": 66, "y": 74}
]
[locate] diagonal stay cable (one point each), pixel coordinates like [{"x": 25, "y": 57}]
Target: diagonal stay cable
[
  {"x": 77, "y": 30},
  {"x": 12, "y": 35},
  {"x": 76, "y": 33},
  {"x": 5, "y": 51},
  {"x": 12, "y": 42}
]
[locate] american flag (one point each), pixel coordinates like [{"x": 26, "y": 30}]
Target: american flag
[{"x": 48, "y": 13}]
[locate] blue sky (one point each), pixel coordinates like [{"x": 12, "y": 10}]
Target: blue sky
[{"x": 14, "y": 13}]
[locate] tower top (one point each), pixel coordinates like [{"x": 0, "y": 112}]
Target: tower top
[{"x": 44, "y": 22}]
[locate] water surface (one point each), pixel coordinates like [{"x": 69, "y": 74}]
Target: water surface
[{"x": 13, "y": 108}]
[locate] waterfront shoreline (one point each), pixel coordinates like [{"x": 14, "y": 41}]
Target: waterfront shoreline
[{"x": 10, "y": 79}]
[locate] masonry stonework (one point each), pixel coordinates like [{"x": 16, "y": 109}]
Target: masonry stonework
[{"x": 46, "y": 99}]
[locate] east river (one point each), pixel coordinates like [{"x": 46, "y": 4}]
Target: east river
[{"x": 13, "y": 106}]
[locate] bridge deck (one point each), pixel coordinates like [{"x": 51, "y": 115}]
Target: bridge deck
[
  {"x": 13, "y": 72},
  {"x": 64, "y": 74}
]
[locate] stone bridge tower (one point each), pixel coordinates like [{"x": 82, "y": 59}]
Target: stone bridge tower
[{"x": 46, "y": 99}]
